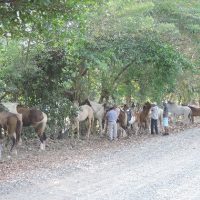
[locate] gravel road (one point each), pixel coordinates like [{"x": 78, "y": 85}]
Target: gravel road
[{"x": 157, "y": 168}]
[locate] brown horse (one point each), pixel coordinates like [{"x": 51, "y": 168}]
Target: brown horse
[
  {"x": 35, "y": 118},
  {"x": 12, "y": 127},
  {"x": 195, "y": 112},
  {"x": 122, "y": 118},
  {"x": 142, "y": 117}
]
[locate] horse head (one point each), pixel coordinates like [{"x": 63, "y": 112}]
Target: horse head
[
  {"x": 86, "y": 102},
  {"x": 147, "y": 105}
]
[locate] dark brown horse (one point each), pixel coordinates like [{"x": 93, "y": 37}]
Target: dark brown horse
[
  {"x": 142, "y": 117},
  {"x": 122, "y": 119},
  {"x": 195, "y": 112},
  {"x": 35, "y": 118},
  {"x": 12, "y": 127}
]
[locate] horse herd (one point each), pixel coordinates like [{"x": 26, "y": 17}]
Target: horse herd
[
  {"x": 137, "y": 119},
  {"x": 13, "y": 117}
]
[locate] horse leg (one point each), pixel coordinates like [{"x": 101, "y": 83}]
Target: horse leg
[
  {"x": 78, "y": 134},
  {"x": 186, "y": 119},
  {"x": 192, "y": 119},
  {"x": 14, "y": 143},
  {"x": 105, "y": 128},
  {"x": 89, "y": 127},
  {"x": 139, "y": 127},
  {"x": 42, "y": 137},
  {"x": 100, "y": 127},
  {"x": 1, "y": 135},
  {"x": 0, "y": 150}
]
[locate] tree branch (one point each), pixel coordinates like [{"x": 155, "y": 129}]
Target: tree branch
[
  {"x": 3, "y": 96},
  {"x": 122, "y": 71}
]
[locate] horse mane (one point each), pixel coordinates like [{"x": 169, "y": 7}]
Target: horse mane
[
  {"x": 22, "y": 106},
  {"x": 86, "y": 102},
  {"x": 3, "y": 108},
  {"x": 147, "y": 106},
  {"x": 170, "y": 102}
]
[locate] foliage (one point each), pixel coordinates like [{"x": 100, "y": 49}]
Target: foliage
[{"x": 52, "y": 52}]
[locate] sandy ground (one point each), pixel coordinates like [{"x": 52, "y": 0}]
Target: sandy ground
[{"x": 137, "y": 168}]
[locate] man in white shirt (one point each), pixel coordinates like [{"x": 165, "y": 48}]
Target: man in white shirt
[{"x": 154, "y": 118}]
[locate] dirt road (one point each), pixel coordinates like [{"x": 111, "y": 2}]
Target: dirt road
[{"x": 157, "y": 168}]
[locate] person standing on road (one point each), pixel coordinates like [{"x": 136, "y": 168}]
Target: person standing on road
[
  {"x": 112, "y": 117},
  {"x": 165, "y": 119},
  {"x": 154, "y": 118}
]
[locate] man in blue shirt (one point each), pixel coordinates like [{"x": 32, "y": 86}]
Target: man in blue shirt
[{"x": 112, "y": 117}]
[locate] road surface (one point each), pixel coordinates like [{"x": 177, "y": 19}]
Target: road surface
[{"x": 159, "y": 168}]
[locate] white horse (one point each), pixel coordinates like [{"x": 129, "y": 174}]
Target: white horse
[
  {"x": 178, "y": 110},
  {"x": 84, "y": 112},
  {"x": 99, "y": 113}
]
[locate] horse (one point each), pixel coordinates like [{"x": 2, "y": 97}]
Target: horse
[
  {"x": 30, "y": 117},
  {"x": 99, "y": 112},
  {"x": 35, "y": 118},
  {"x": 142, "y": 117},
  {"x": 178, "y": 110},
  {"x": 84, "y": 112},
  {"x": 11, "y": 107},
  {"x": 12, "y": 127},
  {"x": 122, "y": 118},
  {"x": 130, "y": 118},
  {"x": 195, "y": 112}
]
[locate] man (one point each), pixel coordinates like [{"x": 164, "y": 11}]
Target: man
[
  {"x": 112, "y": 117},
  {"x": 154, "y": 118}
]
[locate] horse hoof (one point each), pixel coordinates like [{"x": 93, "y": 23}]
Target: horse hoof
[
  {"x": 20, "y": 142},
  {"x": 42, "y": 147}
]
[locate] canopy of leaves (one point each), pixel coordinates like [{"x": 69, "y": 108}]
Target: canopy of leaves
[{"x": 55, "y": 51}]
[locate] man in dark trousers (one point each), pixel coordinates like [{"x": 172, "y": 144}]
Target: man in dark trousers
[{"x": 154, "y": 118}]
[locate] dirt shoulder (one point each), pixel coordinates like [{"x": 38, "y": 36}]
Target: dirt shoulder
[{"x": 59, "y": 152}]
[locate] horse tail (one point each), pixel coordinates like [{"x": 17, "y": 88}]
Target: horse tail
[
  {"x": 92, "y": 122},
  {"x": 43, "y": 122},
  {"x": 190, "y": 115},
  {"x": 125, "y": 120},
  {"x": 18, "y": 129}
]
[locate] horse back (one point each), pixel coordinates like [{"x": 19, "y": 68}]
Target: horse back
[
  {"x": 25, "y": 115},
  {"x": 30, "y": 116},
  {"x": 85, "y": 112},
  {"x": 35, "y": 115},
  {"x": 195, "y": 111}
]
